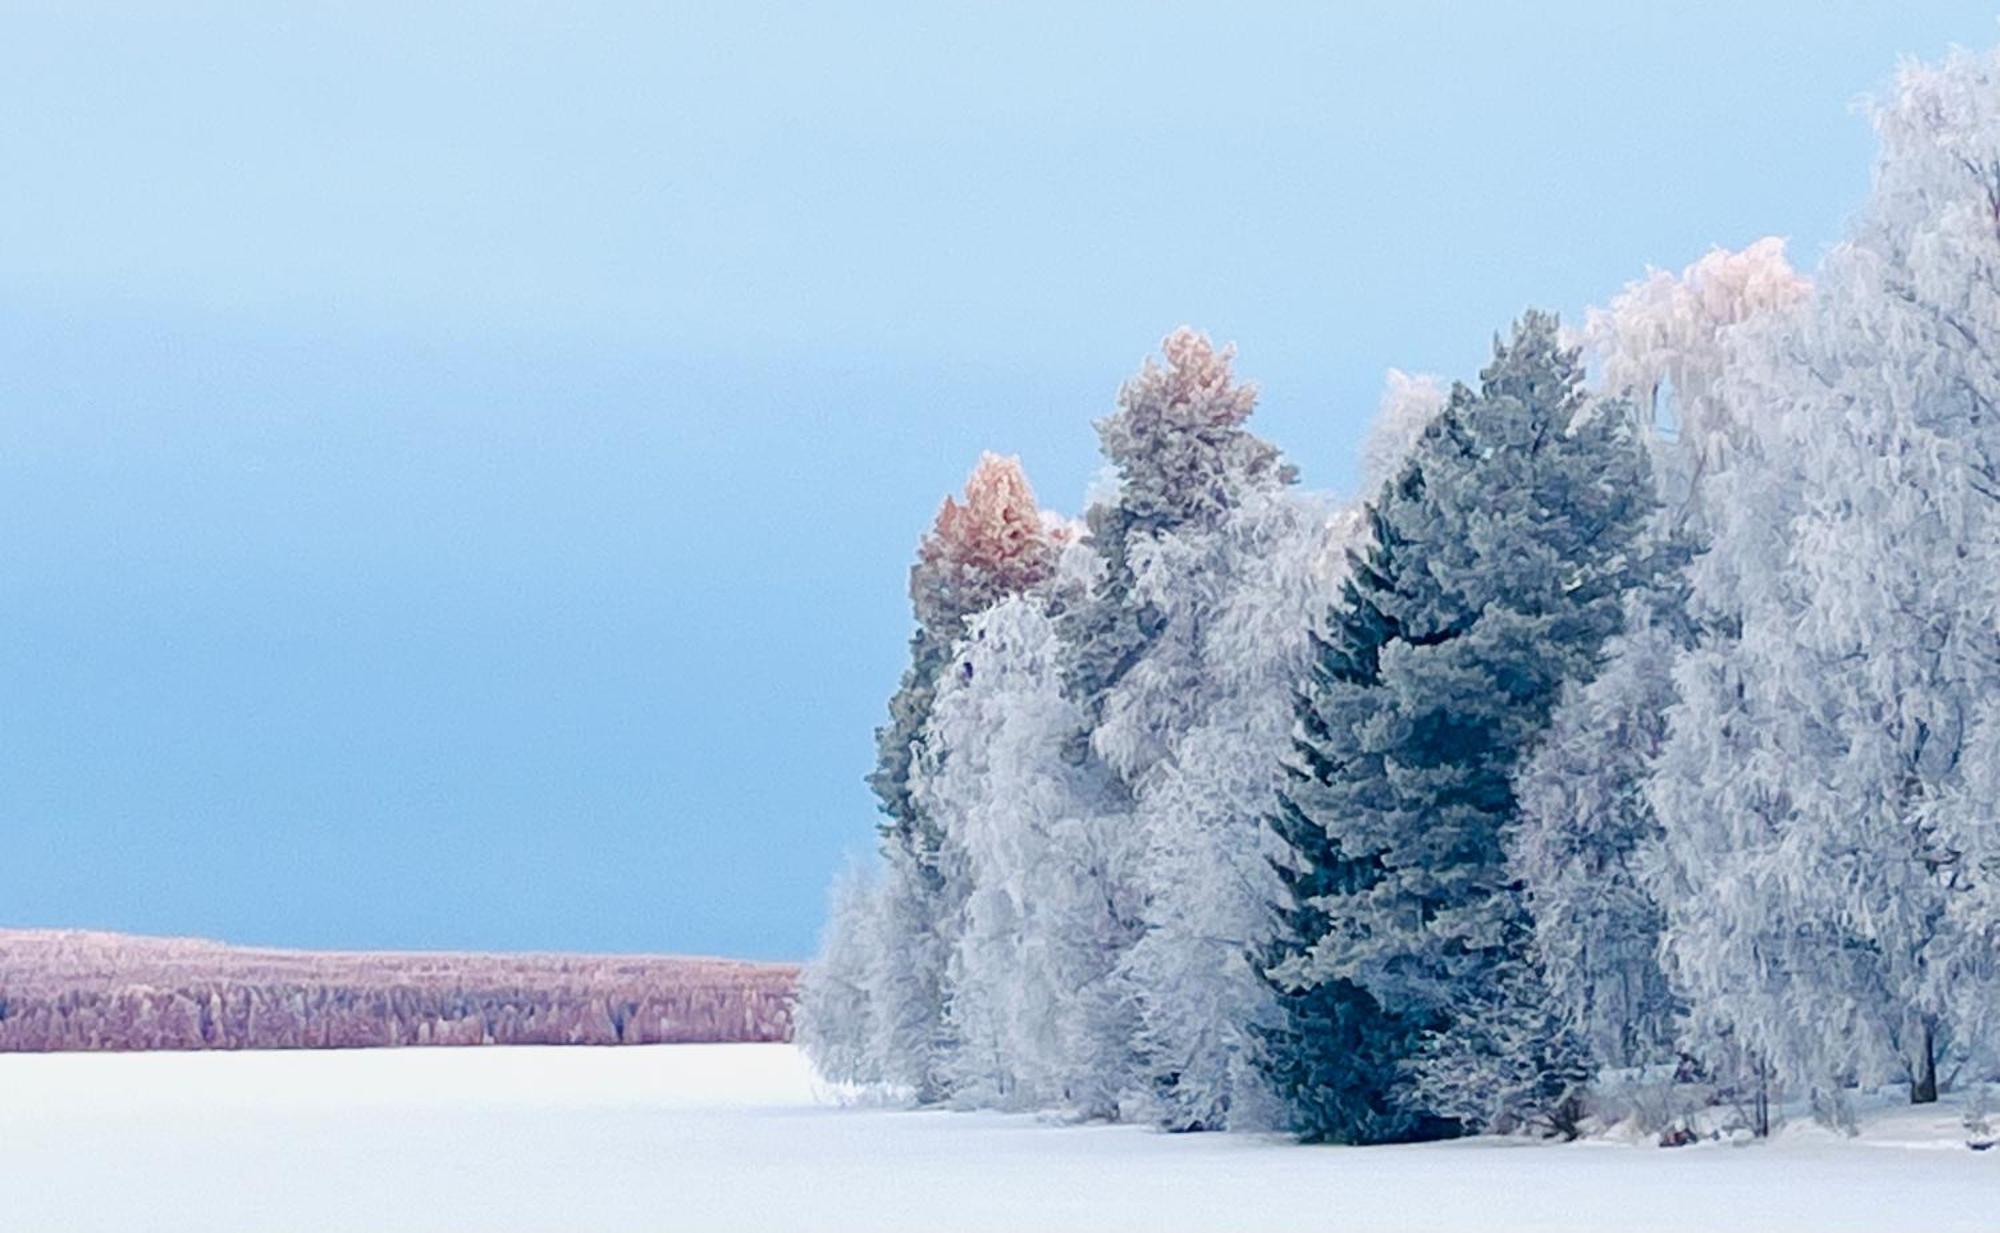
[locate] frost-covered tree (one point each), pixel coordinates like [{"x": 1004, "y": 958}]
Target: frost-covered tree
[
  {"x": 1858, "y": 634},
  {"x": 1668, "y": 344},
  {"x": 1183, "y": 459},
  {"x": 1409, "y": 404},
  {"x": 836, "y": 1024},
  {"x": 1584, "y": 835},
  {"x": 915, "y": 916},
  {"x": 1508, "y": 1062},
  {"x": 1965, "y": 822},
  {"x": 1719, "y": 786},
  {"x": 1025, "y": 833},
  {"x": 1161, "y": 661},
  {"x": 1333, "y": 1056},
  {"x": 1237, "y": 603},
  {"x": 1897, "y": 545},
  {"x": 1503, "y": 550},
  {"x": 994, "y": 544}
]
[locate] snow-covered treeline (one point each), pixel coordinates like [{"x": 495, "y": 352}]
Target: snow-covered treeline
[
  {"x": 1634, "y": 742},
  {"x": 69, "y": 990}
]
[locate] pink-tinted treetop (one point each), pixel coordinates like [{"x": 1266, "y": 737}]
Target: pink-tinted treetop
[
  {"x": 993, "y": 544},
  {"x": 1178, "y": 438},
  {"x": 1196, "y": 383}
]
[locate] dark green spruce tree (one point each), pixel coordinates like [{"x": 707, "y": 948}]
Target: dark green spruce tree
[
  {"x": 1334, "y": 1054},
  {"x": 1500, "y": 553}
]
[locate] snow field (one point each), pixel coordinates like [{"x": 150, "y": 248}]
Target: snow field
[{"x": 741, "y": 1137}]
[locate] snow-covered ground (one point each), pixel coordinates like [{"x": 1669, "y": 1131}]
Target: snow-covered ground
[{"x": 720, "y": 1137}]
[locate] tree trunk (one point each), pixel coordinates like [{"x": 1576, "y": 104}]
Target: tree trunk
[
  {"x": 1761, "y": 1115},
  {"x": 1923, "y": 1087}
]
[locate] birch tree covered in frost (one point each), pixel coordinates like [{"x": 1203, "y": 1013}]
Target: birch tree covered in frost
[
  {"x": 1869, "y": 641},
  {"x": 1028, "y": 839},
  {"x": 837, "y": 1024},
  {"x": 1667, "y": 345},
  {"x": 995, "y": 543},
  {"x": 1238, "y": 602}
]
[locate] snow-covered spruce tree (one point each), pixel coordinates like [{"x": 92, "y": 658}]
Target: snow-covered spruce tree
[
  {"x": 1026, "y": 843},
  {"x": 1501, "y": 556},
  {"x": 1873, "y": 640},
  {"x": 1334, "y": 1055},
  {"x": 995, "y": 544},
  {"x": 1667, "y": 344},
  {"x": 1507, "y": 1062},
  {"x": 1180, "y": 652}
]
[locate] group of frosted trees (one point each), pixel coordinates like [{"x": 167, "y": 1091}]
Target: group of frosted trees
[{"x": 1640, "y": 725}]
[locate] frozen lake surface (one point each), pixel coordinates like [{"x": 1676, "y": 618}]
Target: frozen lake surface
[{"x": 725, "y": 1137}]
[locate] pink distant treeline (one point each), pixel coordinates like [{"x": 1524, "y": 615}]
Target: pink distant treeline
[{"x": 65, "y": 990}]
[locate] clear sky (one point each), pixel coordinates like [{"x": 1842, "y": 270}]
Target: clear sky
[{"x": 458, "y": 464}]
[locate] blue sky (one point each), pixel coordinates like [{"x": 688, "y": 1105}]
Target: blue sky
[{"x": 458, "y": 466}]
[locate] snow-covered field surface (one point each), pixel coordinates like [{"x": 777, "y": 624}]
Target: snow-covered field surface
[{"x": 724, "y": 1137}]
